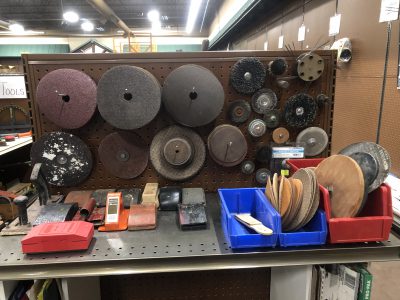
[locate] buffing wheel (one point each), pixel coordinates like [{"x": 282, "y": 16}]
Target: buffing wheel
[
  {"x": 67, "y": 97},
  {"x": 128, "y": 97},
  {"x": 248, "y": 75},
  {"x": 300, "y": 110},
  {"x": 239, "y": 111}
]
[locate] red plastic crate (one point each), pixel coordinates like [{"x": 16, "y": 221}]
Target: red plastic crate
[{"x": 373, "y": 223}]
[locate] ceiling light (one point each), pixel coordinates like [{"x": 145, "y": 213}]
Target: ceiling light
[
  {"x": 155, "y": 27},
  {"x": 193, "y": 13},
  {"x": 16, "y": 28},
  {"x": 71, "y": 17},
  {"x": 87, "y": 26},
  {"x": 153, "y": 15}
]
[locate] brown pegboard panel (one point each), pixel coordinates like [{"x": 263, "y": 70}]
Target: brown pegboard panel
[
  {"x": 207, "y": 285},
  {"x": 160, "y": 65}
]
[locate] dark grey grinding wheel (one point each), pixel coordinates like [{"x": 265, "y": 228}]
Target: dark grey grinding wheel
[
  {"x": 248, "y": 75},
  {"x": 300, "y": 110}
]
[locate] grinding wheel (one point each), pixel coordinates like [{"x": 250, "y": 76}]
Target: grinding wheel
[
  {"x": 66, "y": 160},
  {"x": 310, "y": 66},
  {"x": 248, "y": 75},
  {"x": 343, "y": 176},
  {"x": 247, "y": 167},
  {"x": 239, "y": 111},
  {"x": 262, "y": 176},
  {"x": 264, "y": 100},
  {"x": 381, "y": 157},
  {"x": 278, "y": 66},
  {"x": 300, "y": 110},
  {"x": 192, "y": 95},
  {"x": 124, "y": 154},
  {"x": 128, "y": 97},
  {"x": 227, "y": 145},
  {"x": 280, "y": 135},
  {"x": 67, "y": 97},
  {"x": 177, "y": 153},
  {"x": 313, "y": 139},
  {"x": 272, "y": 118}
]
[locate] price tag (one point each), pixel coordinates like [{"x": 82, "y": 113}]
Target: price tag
[
  {"x": 334, "y": 25},
  {"x": 389, "y": 10},
  {"x": 284, "y": 172},
  {"x": 301, "y": 35},
  {"x": 266, "y": 46},
  {"x": 287, "y": 152},
  {"x": 280, "y": 42}
]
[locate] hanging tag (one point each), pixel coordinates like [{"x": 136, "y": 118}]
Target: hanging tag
[
  {"x": 334, "y": 25},
  {"x": 280, "y": 42},
  {"x": 389, "y": 10},
  {"x": 301, "y": 35},
  {"x": 266, "y": 46}
]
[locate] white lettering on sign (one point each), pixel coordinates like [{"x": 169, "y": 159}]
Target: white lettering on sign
[{"x": 12, "y": 87}]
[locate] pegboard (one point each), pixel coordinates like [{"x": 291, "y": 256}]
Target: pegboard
[{"x": 212, "y": 176}]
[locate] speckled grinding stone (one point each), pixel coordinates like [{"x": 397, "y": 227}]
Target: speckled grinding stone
[
  {"x": 67, "y": 97},
  {"x": 248, "y": 75},
  {"x": 128, "y": 97},
  {"x": 124, "y": 154},
  {"x": 66, "y": 160}
]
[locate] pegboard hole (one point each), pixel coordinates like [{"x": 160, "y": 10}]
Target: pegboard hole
[
  {"x": 65, "y": 98},
  {"x": 128, "y": 96},
  {"x": 193, "y": 95}
]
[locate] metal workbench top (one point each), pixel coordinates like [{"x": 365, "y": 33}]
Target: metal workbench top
[{"x": 168, "y": 249}]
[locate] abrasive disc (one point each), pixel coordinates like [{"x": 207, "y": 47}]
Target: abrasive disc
[
  {"x": 316, "y": 197},
  {"x": 269, "y": 192},
  {"x": 192, "y": 95},
  {"x": 248, "y": 75},
  {"x": 285, "y": 196},
  {"x": 239, "y": 111},
  {"x": 310, "y": 66},
  {"x": 272, "y": 118},
  {"x": 264, "y": 100},
  {"x": 128, "y": 97},
  {"x": 278, "y": 66},
  {"x": 177, "y": 153},
  {"x": 67, "y": 97},
  {"x": 380, "y": 155},
  {"x": 280, "y": 135},
  {"x": 227, "y": 145},
  {"x": 65, "y": 158},
  {"x": 300, "y": 110},
  {"x": 313, "y": 139},
  {"x": 124, "y": 154},
  {"x": 262, "y": 176}
]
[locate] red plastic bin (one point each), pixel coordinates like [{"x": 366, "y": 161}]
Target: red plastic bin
[{"x": 373, "y": 223}]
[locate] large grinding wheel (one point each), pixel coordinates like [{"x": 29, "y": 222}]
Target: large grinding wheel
[
  {"x": 227, "y": 145},
  {"x": 177, "y": 153},
  {"x": 128, "y": 97},
  {"x": 66, "y": 160},
  {"x": 192, "y": 95},
  {"x": 300, "y": 110},
  {"x": 248, "y": 75},
  {"x": 67, "y": 97},
  {"x": 313, "y": 139},
  {"x": 124, "y": 154}
]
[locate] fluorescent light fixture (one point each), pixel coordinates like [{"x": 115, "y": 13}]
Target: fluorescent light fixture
[
  {"x": 87, "y": 26},
  {"x": 193, "y": 13},
  {"x": 16, "y": 28},
  {"x": 155, "y": 27},
  {"x": 71, "y": 17},
  {"x": 153, "y": 16}
]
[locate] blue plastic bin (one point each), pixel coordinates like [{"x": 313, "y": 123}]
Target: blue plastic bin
[{"x": 248, "y": 200}]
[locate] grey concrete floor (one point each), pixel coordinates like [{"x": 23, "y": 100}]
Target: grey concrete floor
[{"x": 386, "y": 280}]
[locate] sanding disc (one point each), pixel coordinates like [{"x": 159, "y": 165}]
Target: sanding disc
[
  {"x": 67, "y": 97},
  {"x": 177, "y": 153},
  {"x": 280, "y": 135},
  {"x": 192, "y": 95},
  {"x": 297, "y": 195},
  {"x": 300, "y": 110},
  {"x": 264, "y": 100},
  {"x": 227, "y": 145},
  {"x": 344, "y": 178},
  {"x": 128, "y": 97},
  {"x": 66, "y": 160},
  {"x": 278, "y": 66},
  {"x": 272, "y": 118},
  {"x": 275, "y": 189},
  {"x": 381, "y": 156},
  {"x": 270, "y": 193},
  {"x": 310, "y": 66},
  {"x": 285, "y": 196},
  {"x": 124, "y": 154},
  {"x": 248, "y": 75},
  {"x": 313, "y": 139},
  {"x": 239, "y": 111},
  {"x": 315, "y": 202}
]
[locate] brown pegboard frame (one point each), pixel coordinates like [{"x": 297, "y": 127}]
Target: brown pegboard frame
[{"x": 212, "y": 176}]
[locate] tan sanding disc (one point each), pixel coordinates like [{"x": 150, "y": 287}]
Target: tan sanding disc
[
  {"x": 315, "y": 202},
  {"x": 285, "y": 195},
  {"x": 344, "y": 178},
  {"x": 270, "y": 193},
  {"x": 275, "y": 189},
  {"x": 286, "y": 218},
  {"x": 280, "y": 135},
  {"x": 297, "y": 194}
]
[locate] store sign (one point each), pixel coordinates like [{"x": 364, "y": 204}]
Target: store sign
[{"x": 12, "y": 86}]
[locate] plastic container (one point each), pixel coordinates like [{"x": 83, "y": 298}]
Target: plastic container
[
  {"x": 248, "y": 200},
  {"x": 373, "y": 223}
]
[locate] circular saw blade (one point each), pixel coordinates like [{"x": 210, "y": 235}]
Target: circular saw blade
[
  {"x": 227, "y": 145},
  {"x": 310, "y": 66},
  {"x": 239, "y": 111},
  {"x": 177, "y": 153},
  {"x": 272, "y": 118},
  {"x": 264, "y": 100},
  {"x": 300, "y": 110},
  {"x": 278, "y": 66},
  {"x": 124, "y": 154},
  {"x": 67, "y": 97},
  {"x": 66, "y": 160},
  {"x": 313, "y": 139},
  {"x": 248, "y": 75},
  {"x": 192, "y": 95},
  {"x": 128, "y": 97},
  {"x": 280, "y": 135}
]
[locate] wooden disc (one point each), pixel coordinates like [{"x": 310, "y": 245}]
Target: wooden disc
[
  {"x": 285, "y": 195},
  {"x": 344, "y": 178},
  {"x": 270, "y": 193},
  {"x": 275, "y": 189},
  {"x": 280, "y": 135}
]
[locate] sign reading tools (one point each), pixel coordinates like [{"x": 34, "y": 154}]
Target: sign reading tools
[{"x": 12, "y": 87}]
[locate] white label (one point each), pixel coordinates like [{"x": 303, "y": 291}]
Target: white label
[
  {"x": 301, "y": 36},
  {"x": 334, "y": 25},
  {"x": 287, "y": 152},
  {"x": 12, "y": 87},
  {"x": 112, "y": 210},
  {"x": 266, "y": 46},
  {"x": 389, "y": 10},
  {"x": 280, "y": 42}
]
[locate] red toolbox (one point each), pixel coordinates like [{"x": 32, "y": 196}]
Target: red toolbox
[{"x": 373, "y": 223}]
